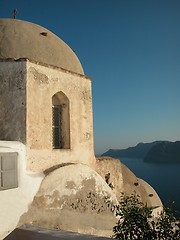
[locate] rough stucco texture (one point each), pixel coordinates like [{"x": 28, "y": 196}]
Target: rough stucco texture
[
  {"x": 13, "y": 101},
  {"x": 42, "y": 84},
  {"x": 27, "y": 90},
  {"x": 75, "y": 198},
  {"x": 122, "y": 180}
]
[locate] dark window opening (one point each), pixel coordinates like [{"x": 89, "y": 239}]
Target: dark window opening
[
  {"x": 56, "y": 126},
  {"x": 60, "y": 121}
]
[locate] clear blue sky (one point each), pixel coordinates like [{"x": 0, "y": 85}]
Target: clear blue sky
[{"x": 131, "y": 49}]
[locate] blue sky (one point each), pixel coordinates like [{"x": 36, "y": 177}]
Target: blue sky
[{"x": 131, "y": 49}]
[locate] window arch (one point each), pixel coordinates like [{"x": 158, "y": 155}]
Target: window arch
[{"x": 60, "y": 121}]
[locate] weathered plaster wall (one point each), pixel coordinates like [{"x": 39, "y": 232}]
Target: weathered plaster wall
[
  {"x": 73, "y": 198},
  {"x": 122, "y": 180},
  {"x": 26, "y": 91},
  {"x": 14, "y": 202},
  {"x": 42, "y": 83},
  {"x": 12, "y": 100},
  {"x": 84, "y": 200},
  {"x": 110, "y": 170},
  {"x": 154, "y": 199}
]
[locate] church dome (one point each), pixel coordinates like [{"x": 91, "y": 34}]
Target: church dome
[{"x": 21, "y": 39}]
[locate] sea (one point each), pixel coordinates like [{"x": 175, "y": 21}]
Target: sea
[{"x": 163, "y": 177}]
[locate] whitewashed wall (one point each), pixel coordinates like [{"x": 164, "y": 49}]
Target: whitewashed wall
[{"x": 14, "y": 202}]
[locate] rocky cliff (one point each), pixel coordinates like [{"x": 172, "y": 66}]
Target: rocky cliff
[
  {"x": 139, "y": 151},
  {"x": 164, "y": 152}
]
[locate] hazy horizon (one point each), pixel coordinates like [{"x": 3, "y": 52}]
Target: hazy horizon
[
  {"x": 131, "y": 49},
  {"x": 122, "y": 148}
]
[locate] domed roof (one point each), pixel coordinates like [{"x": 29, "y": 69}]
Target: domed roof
[{"x": 21, "y": 39}]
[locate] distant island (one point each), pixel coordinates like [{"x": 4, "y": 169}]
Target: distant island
[
  {"x": 158, "y": 151},
  {"x": 164, "y": 152},
  {"x": 139, "y": 151}
]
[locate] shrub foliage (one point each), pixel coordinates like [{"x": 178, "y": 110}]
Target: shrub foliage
[{"x": 137, "y": 222}]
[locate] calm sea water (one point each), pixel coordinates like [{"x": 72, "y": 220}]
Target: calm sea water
[{"x": 164, "y": 178}]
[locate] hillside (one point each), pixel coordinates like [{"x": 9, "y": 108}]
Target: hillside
[
  {"x": 164, "y": 152},
  {"x": 139, "y": 151}
]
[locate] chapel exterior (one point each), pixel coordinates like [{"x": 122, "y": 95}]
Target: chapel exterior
[
  {"x": 46, "y": 100},
  {"x": 45, "y": 114},
  {"x": 48, "y": 172}
]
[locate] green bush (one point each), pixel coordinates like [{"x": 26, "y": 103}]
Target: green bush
[{"x": 136, "y": 221}]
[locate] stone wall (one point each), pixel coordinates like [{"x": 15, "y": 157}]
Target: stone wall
[
  {"x": 12, "y": 100},
  {"x": 26, "y": 92},
  {"x": 43, "y": 82}
]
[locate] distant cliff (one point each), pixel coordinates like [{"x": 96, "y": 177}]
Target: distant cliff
[
  {"x": 158, "y": 151},
  {"x": 164, "y": 152},
  {"x": 139, "y": 151}
]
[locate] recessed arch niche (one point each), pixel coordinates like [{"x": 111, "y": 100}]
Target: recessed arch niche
[{"x": 60, "y": 121}]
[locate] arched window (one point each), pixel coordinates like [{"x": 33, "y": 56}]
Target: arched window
[{"x": 60, "y": 121}]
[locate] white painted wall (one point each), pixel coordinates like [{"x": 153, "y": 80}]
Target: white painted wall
[{"x": 14, "y": 202}]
